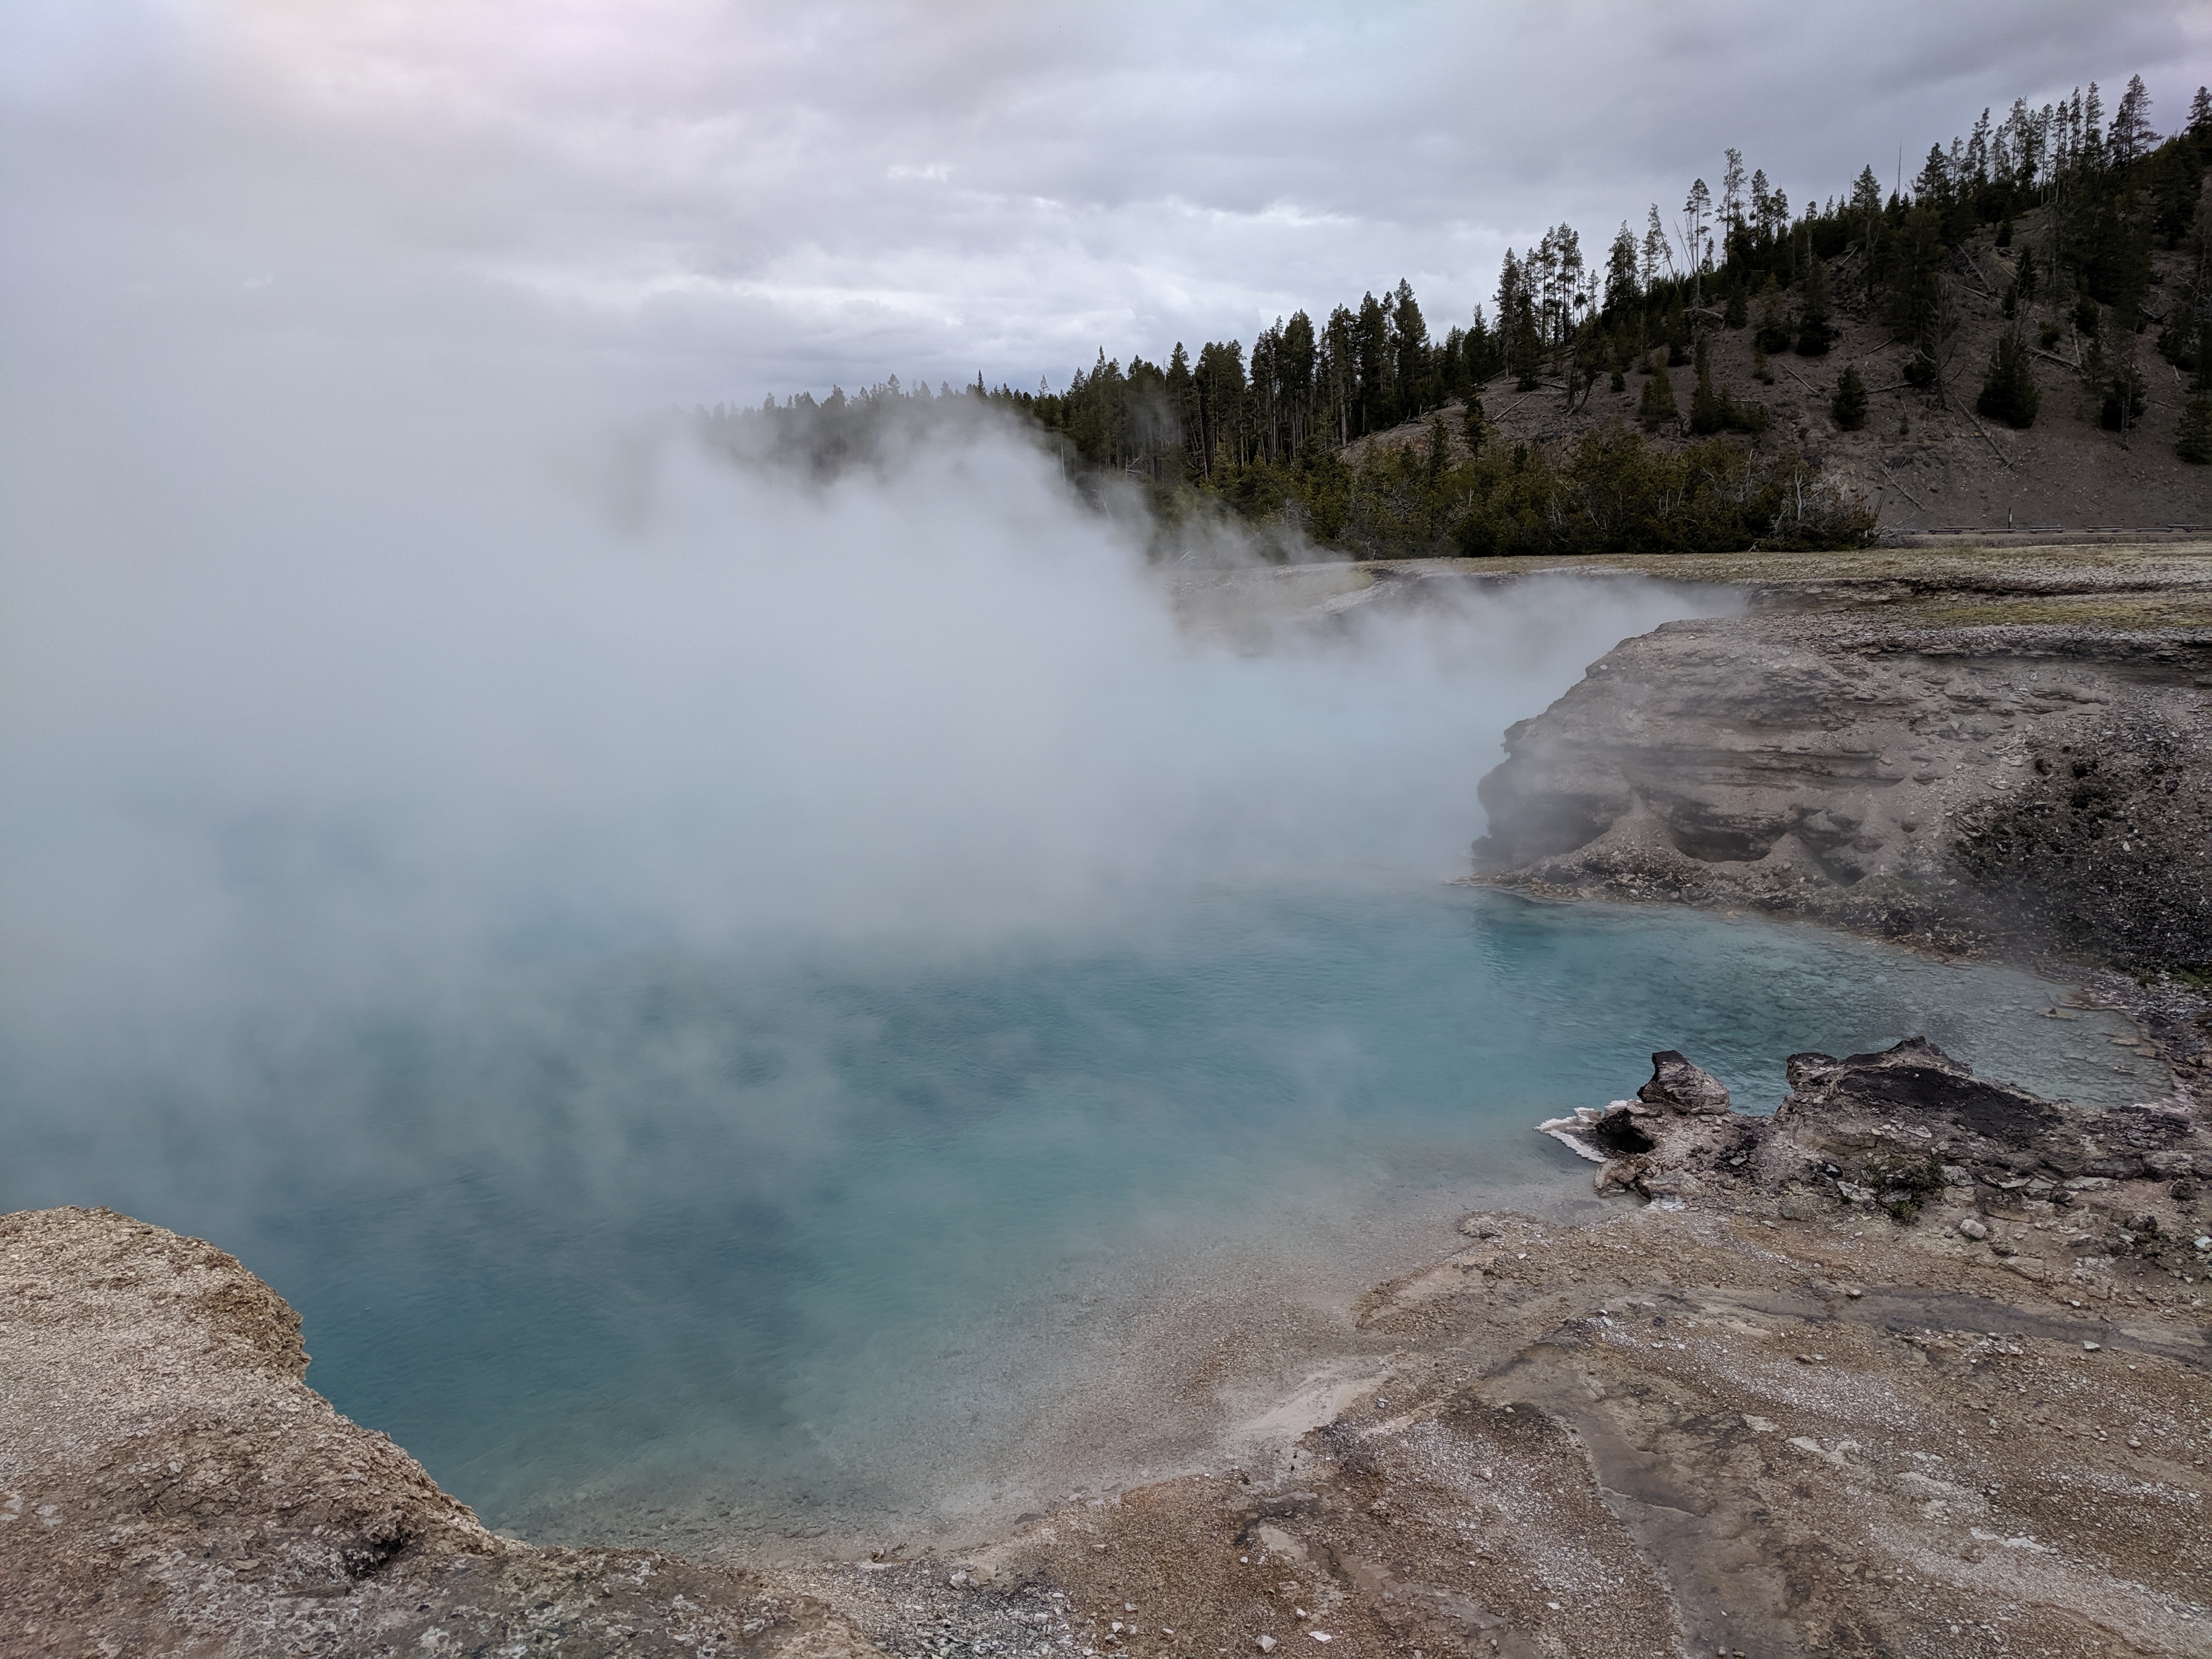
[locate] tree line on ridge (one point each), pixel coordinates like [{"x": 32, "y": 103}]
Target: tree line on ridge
[{"x": 1261, "y": 435}]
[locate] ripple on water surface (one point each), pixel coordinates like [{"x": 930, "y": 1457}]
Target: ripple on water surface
[{"x": 758, "y": 1243}]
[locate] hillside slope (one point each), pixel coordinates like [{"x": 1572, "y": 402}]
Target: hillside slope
[{"x": 1923, "y": 464}]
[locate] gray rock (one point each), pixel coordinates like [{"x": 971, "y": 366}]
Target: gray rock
[
  {"x": 1800, "y": 1207},
  {"x": 1805, "y": 1068},
  {"x": 1783, "y": 735},
  {"x": 1680, "y": 1086},
  {"x": 1973, "y": 1228},
  {"x": 2170, "y": 1165}
]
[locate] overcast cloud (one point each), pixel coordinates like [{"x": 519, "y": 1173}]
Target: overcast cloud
[{"x": 693, "y": 201}]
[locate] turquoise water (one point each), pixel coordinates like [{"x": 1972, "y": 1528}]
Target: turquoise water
[{"x": 772, "y": 1234}]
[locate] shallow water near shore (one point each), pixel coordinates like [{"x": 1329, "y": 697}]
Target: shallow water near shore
[{"x": 766, "y": 1248}]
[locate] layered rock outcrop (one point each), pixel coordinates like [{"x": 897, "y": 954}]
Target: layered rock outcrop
[{"x": 1996, "y": 753}]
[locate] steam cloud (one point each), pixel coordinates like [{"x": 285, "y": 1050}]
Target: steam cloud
[
  {"x": 361, "y": 710},
  {"x": 328, "y": 714},
  {"x": 352, "y": 658}
]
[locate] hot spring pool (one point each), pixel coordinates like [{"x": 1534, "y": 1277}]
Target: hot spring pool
[{"x": 809, "y": 1241}]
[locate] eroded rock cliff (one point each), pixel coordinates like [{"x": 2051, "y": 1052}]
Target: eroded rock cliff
[{"x": 2013, "y": 747}]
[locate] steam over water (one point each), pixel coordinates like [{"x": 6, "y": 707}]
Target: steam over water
[{"x": 733, "y": 999}]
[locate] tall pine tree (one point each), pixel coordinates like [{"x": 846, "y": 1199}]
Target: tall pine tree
[
  {"x": 1849, "y": 404},
  {"x": 2009, "y": 391}
]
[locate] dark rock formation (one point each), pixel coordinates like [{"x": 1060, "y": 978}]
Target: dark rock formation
[
  {"x": 1905, "y": 1130},
  {"x": 1682, "y": 1087}
]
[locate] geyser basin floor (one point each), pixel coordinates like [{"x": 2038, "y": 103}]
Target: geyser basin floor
[{"x": 669, "y": 1248}]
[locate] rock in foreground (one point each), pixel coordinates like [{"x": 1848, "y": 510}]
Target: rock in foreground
[{"x": 169, "y": 1485}]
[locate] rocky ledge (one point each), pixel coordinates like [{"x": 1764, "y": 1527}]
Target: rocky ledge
[
  {"x": 170, "y": 1485},
  {"x": 2008, "y": 749}
]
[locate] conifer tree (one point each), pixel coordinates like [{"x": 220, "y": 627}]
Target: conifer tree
[
  {"x": 2131, "y": 137},
  {"x": 1866, "y": 218},
  {"x": 1370, "y": 342},
  {"x": 1814, "y": 333},
  {"x": 1409, "y": 351},
  {"x": 1525, "y": 356},
  {"x": 1655, "y": 248},
  {"x": 2125, "y": 392},
  {"x": 1657, "y": 407},
  {"x": 1697, "y": 209},
  {"x": 1707, "y": 415},
  {"x": 2009, "y": 391},
  {"x": 1473, "y": 424},
  {"x": 1850, "y": 407},
  {"x": 1774, "y": 330},
  {"x": 2193, "y": 441},
  {"x": 1621, "y": 287},
  {"x": 1732, "y": 203}
]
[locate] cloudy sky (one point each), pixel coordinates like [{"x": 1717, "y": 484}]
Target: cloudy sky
[{"x": 706, "y": 200}]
